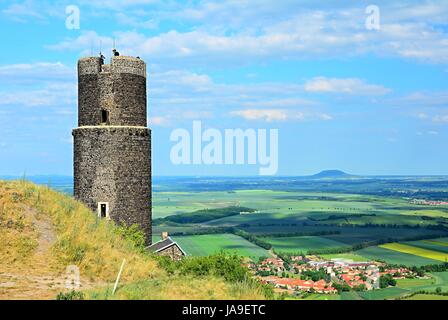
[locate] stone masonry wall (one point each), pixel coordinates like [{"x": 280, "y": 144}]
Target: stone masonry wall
[{"x": 113, "y": 164}]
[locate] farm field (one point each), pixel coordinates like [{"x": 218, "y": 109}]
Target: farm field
[
  {"x": 202, "y": 245},
  {"x": 344, "y": 256},
  {"x": 426, "y": 297},
  {"x": 425, "y": 253},
  {"x": 383, "y": 294},
  {"x": 302, "y": 244},
  {"x": 319, "y": 296},
  {"x": 282, "y": 204},
  {"x": 394, "y": 257},
  {"x": 436, "y": 280},
  {"x": 415, "y": 283},
  {"x": 440, "y": 245}
]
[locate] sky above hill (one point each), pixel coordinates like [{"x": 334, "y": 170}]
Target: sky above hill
[{"x": 342, "y": 95}]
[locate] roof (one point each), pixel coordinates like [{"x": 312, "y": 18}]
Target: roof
[{"x": 163, "y": 244}]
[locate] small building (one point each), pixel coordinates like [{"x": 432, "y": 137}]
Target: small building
[{"x": 167, "y": 247}]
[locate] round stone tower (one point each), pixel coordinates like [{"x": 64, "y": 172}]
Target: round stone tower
[{"x": 112, "y": 144}]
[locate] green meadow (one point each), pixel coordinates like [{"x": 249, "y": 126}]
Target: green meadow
[
  {"x": 302, "y": 244},
  {"x": 202, "y": 245},
  {"x": 394, "y": 257}
]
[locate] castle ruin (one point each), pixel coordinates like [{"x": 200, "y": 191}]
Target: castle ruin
[{"x": 112, "y": 144}]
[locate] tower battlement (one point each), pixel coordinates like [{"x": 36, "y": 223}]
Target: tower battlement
[
  {"x": 112, "y": 94},
  {"x": 118, "y": 64},
  {"x": 112, "y": 144}
]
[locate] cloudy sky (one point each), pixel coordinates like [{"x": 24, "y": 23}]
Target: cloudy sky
[{"x": 342, "y": 96}]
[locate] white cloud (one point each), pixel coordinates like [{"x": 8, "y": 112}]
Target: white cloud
[
  {"x": 54, "y": 94},
  {"x": 268, "y": 115},
  {"x": 248, "y": 31},
  {"x": 39, "y": 71},
  {"x": 440, "y": 118},
  {"x": 38, "y": 84},
  {"x": 158, "y": 121},
  {"x": 350, "y": 86},
  {"x": 271, "y": 115}
]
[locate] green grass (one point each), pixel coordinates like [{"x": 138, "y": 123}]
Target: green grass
[
  {"x": 415, "y": 283},
  {"x": 427, "y": 297},
  {"x": 302, "y": 244},
  {"x": 346, "y": 256},
  {"x": 394, "y": 257},
  {"x": 440, "y": 280},
  {"x": 201, "y": 245},
  {"x": 383, "y": 294},
  {"x": 437, "y": 279},
  {"x": 318, "y": 296},
  {"x": 350, "y": 295}
]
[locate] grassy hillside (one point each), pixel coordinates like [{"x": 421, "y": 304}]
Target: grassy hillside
[{"x": 42, "y": 232}]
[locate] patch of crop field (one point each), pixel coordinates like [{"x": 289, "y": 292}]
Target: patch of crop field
[
  {"x": 258, "y": 218},
  {"x": 319, "y": 296},
  {"x": 440, "y": 280},
  {"x": 172, "y": 203},
  {"x": 383, "y": 294},
  {"x": 302, "y": 244},
  {"x": 383, "y": 218},
  {"x": 426, "y": 297},
  {"x": 415, "y": 283},
  {"x": 435, "y": 280},
  {"x": 202, "y": 245},
  {"x": 284, "y": 202},
  {"x": 394, "y": 257},
  {"x": 350, "y": 295},
  {"x": 346, "y": 256},
  {"x": 433, "y": 245},
  {"x": 347, "y": 235},
  {"x": 435, "y": 213},
  {"x": 158, "y": 229},
  {"x": 425, "y": 253}
]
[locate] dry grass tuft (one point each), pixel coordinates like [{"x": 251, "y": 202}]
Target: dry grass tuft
[{"x": 43, "y": 231}]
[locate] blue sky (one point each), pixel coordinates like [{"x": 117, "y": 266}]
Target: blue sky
[{"x": 341, "y": 96}]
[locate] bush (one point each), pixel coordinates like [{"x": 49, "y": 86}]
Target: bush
[
  {"x": 133, "y": 234},
  {"x": 71, "y": 295}
]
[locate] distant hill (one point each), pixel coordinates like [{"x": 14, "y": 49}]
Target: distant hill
[{"x": 331, "y": 174}]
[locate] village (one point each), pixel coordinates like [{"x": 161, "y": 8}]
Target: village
[{"x": 296, "y": 275}]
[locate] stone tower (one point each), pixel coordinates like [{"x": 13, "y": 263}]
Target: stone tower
[{"x": 112, "y": 144}]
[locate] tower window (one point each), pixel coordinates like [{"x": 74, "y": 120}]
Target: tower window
[
  {"x": 104, "y": 116},
  {"x": 103, "y": 210}
]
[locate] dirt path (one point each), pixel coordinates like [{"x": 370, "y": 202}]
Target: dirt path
[{"x": 36, "y": 280}]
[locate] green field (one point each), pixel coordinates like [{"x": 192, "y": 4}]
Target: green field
[
  {"x": 202, "y": 245},
  {"x": 303, "y": 215},
  {"x": 440, "y": 245},
  {"x": 318, "y": 296},
  {"x": 344, "y": 256},
  {"x": 286, "y": 205},
  {"x": 383, "y": 294},
  {"x": 427, "y": 297},
  {"x": 436, "y": 280},
  {"x": 415, "y": 283},
  {"x": 425, "y": 253},
  {"x": 302, "y": 244},
  {"x": 394, "y": 257}
]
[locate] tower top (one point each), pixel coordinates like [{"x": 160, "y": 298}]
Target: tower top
[{"x": 118, "y": 64}]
